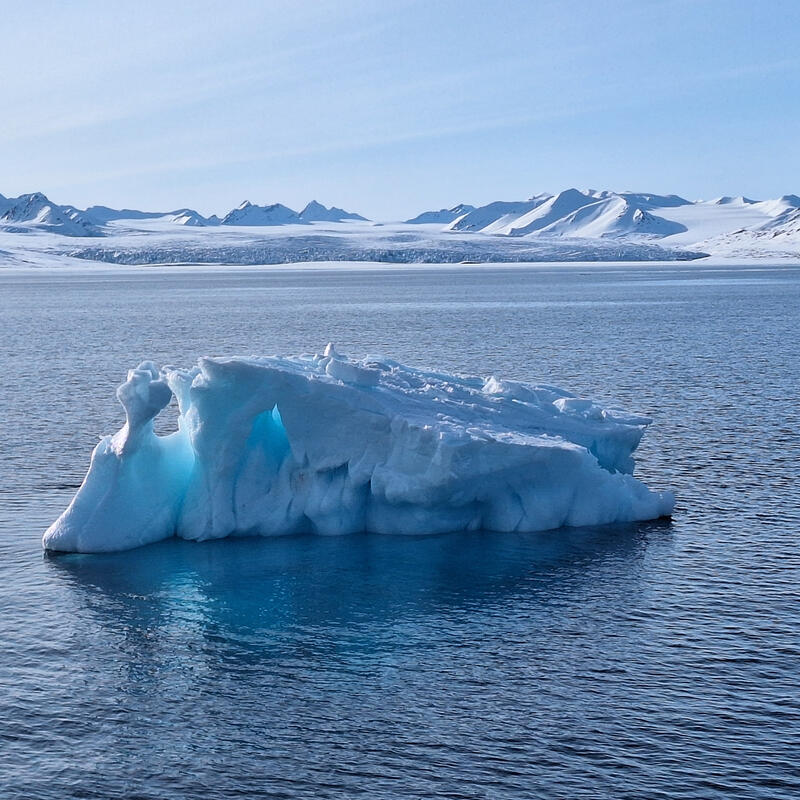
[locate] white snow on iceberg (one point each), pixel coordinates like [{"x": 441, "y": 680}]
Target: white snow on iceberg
[{"x": 327, "y": 444}]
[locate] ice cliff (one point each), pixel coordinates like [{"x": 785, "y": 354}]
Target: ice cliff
[{"x": 332, "y": 445}]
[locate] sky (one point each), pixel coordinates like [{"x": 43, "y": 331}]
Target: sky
[{"x": 391, "y": 108}]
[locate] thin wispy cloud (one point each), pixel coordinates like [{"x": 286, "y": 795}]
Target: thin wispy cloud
[{"x": 435, "y": 100}]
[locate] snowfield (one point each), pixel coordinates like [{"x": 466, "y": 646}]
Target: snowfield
[
  {"x": 570, "y": 226},
  {"x": 331, "y": 445}
]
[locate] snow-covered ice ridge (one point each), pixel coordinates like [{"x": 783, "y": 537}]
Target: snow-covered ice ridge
[{"x": 332, "y": 445}]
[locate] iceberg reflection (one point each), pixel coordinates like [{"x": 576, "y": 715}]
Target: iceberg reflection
[{"x": 256, "y": 593}]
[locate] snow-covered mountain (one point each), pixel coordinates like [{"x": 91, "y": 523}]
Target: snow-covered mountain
[
  {"x": 786, "y": 224},
  {"x": 278, "y": 214},
  {"x": 779, "y": 233},
  {"x": 583, "y": 214},
  {"x": 36, "y": 212},
  {"x": 493, "y": 215},
  {"x": 441, "y": 217},
  {"x": 30, "y": 212},
  {"x": 248, "y": 214},
  {"x": 572, "y": 214},
  {"x": 101, "y": 215},
  {"x": 188, "y": 216},
  {"x": 588, "y": 214},
  {"x": 316, "y": 212},
  {"x": 725, "y": 200}
]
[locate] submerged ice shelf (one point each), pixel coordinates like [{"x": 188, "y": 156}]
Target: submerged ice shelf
[{"x": 332, "y": 445}]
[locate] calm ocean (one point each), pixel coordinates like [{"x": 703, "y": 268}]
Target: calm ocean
[{"x": 657, "y": 660}]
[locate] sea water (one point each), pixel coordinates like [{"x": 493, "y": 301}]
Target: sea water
[{"x": 642, "y": 661}]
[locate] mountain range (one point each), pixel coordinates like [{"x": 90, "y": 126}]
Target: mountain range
[
  {"x": 35, "y": 211},
  {"x": 600, "y": 214},
  {"x": 730, "y": 223}
]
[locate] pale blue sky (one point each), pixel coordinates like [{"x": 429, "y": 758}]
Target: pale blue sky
[{"x": 389, "y": 108}]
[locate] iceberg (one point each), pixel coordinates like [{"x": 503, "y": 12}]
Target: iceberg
[{"x": 333, "y": 445}]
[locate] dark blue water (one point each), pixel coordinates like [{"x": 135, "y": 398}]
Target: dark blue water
[{"x": 659, "y": 660}]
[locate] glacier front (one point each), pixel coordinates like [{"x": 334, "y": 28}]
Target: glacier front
[{"x": 332, "y": 445}]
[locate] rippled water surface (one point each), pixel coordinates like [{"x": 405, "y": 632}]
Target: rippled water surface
[{"x": 658, "y": 660}]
